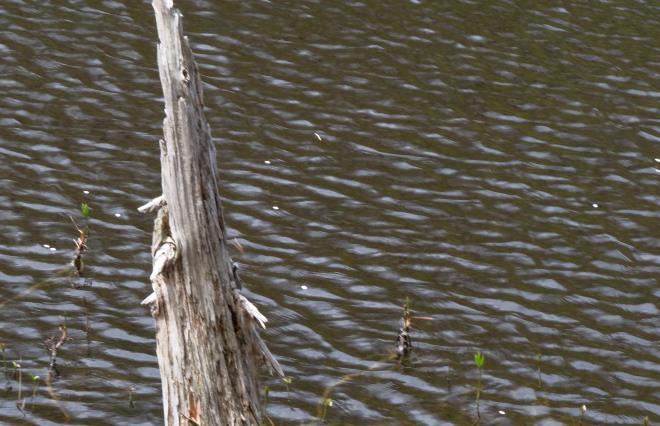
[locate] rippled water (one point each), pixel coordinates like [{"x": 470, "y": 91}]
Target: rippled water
[{"x": 496, "y": 162}]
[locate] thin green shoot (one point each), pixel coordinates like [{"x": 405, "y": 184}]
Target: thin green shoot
[
  {"x": 17, "y": 369},
  {"x": 479, "y": 360},
  {"x": 264, "y": 405},
  {"x": 327, "y": 402},
  {"x": 20, "y": 403},
  {"x": 287, "y": 382},
  {"x": 35, "y": 383}
]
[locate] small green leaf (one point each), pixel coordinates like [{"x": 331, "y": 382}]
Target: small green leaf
[
  {"x": 327, "y": 402},
  {"x": 479, "y": 359},
  {"x": 35, "y": 378},
  {"x": 287, "y": 380},
  {"x": 85, "y": 210}
]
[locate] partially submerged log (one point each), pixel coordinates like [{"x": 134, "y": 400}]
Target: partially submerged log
[{"x": 209, "y": 349}]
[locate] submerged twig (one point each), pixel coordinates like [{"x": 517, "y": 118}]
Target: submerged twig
[
  {"x": 52, "y": 347},
  {"x": 81, "y": 246},
  {"x": 87, "y": 327},
  {"x": 403, "y": 340},
  {"x": 20, "y": 402},
  {"x": 131, "y": 399},
  {"x": 4, "y": 359},
  {"x": 80, "y": 242},
  {"x": 55, "y": 397},
  {"x": 35, "y": 387}
]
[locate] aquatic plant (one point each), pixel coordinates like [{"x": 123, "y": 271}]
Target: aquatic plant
[
  {"x": 85, "y": 210},
  {"x": 35, "y": 384},
  {"x": 479, "y": 360},
  {"x": 81, "y": 242},
  {"x": 22, "y": 401},
  {"x": 327, "y": 402},
  {"x": 583, "y": 411},
  {"x": 402, "y": 350},
  {"x": 18, "y": 372},
  {"x": 403, "y": 339},
  {"x": 287, "y": 381},
  {"x": 52, "y": 346},
  {"x": 131, "y": 398},
  {"x": 264, "y": 404}
]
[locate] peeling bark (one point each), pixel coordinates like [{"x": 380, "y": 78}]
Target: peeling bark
[{"x": 209, "y": 349}]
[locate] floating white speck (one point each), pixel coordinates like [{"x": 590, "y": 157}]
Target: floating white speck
[
  {"x": 117, "y": 215},
  {"x": 86, "y": 192},
  {"x": 318, "y": 137},
  {"x": 275, "y": 208},
  {"x": 267, "y": 161},
  {"x": 53, "y": 249},
  {"x": 46, "y": 245},
  {"x": 657, "y": 160},
  {"x": 595, "y": 205},
  {"x": 304, "y": 287},
  {"x": 583, "y": 408},
  {"x": 476, "y": 38},
  {"x": 657, "y": 170},
  {"x": 502, "y": 412}
]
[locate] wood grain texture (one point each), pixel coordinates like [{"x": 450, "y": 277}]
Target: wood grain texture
[{"x": 208, "y": 347}]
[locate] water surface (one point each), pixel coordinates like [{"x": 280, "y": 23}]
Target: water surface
[{"x": 495, "y": 162}]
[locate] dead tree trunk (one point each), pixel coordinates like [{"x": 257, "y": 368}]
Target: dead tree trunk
[{"x": 208, "y": 346}]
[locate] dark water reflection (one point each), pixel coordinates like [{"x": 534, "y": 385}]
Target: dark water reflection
[{"x": 496, "y": 162}]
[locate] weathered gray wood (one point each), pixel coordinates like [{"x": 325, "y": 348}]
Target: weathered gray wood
[
  {"x": 208, "y": 346},
  {"x": 153, "y": 205}
]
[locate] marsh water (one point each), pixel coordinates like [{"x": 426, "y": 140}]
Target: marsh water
[{"x": 495, "y": 162}]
